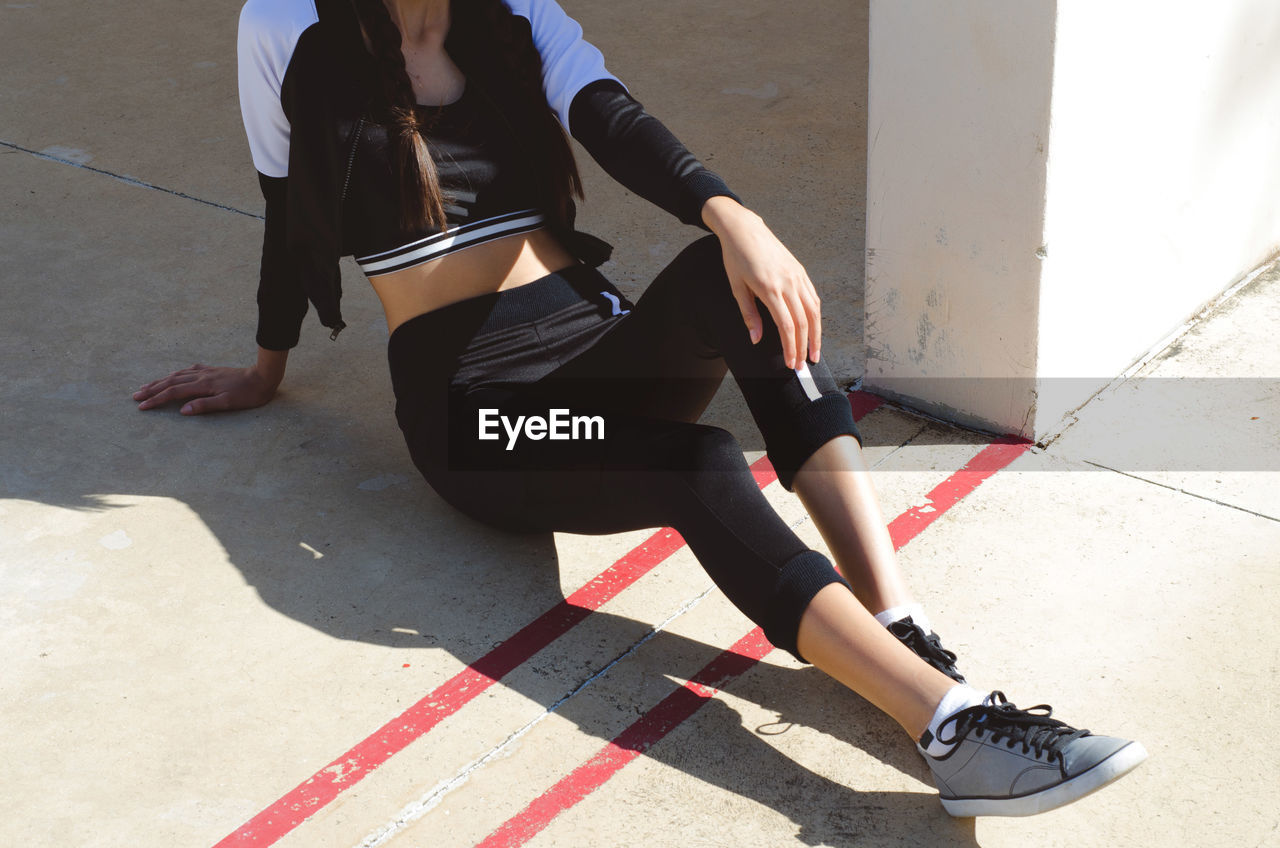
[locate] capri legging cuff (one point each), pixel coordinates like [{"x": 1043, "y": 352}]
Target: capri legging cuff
[
  {"x": 799, "y": 581},
  {"x": 808, "y": 429}
]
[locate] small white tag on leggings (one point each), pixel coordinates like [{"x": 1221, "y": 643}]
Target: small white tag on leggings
[
  {"x": 807, "y": 383},
  {"x": 617, "y": 304}
]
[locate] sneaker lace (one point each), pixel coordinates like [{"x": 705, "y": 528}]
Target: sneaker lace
[
  {"x": 928, "y": 646},
  {"x": 1032, "y": 727}
]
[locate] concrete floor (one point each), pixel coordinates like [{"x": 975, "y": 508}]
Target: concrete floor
[{"x": 197, "y": 615}]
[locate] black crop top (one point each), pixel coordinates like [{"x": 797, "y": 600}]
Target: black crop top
[
  {"x": 485, "y": 185},
  {"x": 301, "y": 72}
]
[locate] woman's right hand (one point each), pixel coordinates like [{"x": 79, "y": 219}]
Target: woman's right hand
[{"x": 207, "y": 388}]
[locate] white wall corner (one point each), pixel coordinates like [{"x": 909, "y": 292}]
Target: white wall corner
[
  {"x": 958, "y": 128},
  {"x": 1053, "y": 188}
]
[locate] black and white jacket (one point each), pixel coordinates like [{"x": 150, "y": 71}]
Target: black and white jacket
[{"x": 306, "y": 84}]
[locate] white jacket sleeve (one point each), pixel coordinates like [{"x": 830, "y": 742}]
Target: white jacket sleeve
[
  {"x": 268, "y": 33},
  {"x": 569, "y": 62}
]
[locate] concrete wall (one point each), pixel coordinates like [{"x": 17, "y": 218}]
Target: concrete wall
[
  {"x": 958, "y": 123},
  {"x": 1053, "y": 187},
  {"x": 1163, "y": 180}
]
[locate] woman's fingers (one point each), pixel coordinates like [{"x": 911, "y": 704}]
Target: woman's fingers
[
  {"x": 178, "y": 390},
  {"x": 186, "y": 374},
  {"x": 802, "y": 304},
  {"x": 813, "y": 308},
  {"x": 750, "y": 314},
  {"x": 800, "y": 317},
  {"x": 789, "y": 312},
  {"x": 207, "y": 389},
  {"x": 150, "y": 391},
  {"x": 781, "y": 311},
  {"x": 151, "y": 388},
  {"x": 795, "y": 309},
  {"x": 201, "y": 405}
]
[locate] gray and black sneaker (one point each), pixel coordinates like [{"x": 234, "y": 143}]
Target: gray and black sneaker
[
  {"x": 927, "y": 646},
  {"x": 1010, "y": 762}
]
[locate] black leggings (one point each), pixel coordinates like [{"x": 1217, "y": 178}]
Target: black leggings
[{"x": 641, "y": 374}]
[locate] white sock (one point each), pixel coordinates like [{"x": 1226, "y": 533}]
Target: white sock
[
  {"x": 958, "y": 697},
  {"x": 898, "y": 613}
]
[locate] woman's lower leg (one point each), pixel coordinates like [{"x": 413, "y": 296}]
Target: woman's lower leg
[
  {"x": 835, "y": 487},
  {"x": 839, "y": 636}
]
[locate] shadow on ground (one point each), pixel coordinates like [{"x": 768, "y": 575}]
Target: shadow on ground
[{"x": 400, "y": 568}]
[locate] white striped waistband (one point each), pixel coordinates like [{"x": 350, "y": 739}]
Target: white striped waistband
[{"x": 451, "y": 240}]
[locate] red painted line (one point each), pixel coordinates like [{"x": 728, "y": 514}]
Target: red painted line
[
  {"x": 632, "y": 742},
  {"x": 949, "y": 492},
  {"x": 308, "y": 797},
  {"x": 749, "y": 650},
  {"x": 279, "y": 819},
  {"x": 863, "y": 403}
]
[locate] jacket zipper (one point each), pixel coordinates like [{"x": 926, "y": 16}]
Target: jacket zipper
[
  {"x": 351, "y": 159},
  {"x": 346, "y": 182}
]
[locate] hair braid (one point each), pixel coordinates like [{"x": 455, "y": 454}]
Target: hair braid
[
  {"x": 421, "y": 199},
  {"x": 486, "y": 41}
]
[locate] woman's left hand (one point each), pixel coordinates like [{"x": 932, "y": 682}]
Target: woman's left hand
[{"x": 760, "y": 266}]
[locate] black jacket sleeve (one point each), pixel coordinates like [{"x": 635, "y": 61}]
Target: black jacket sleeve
[
  {"x": 282, "y": 304},
  {"x": 638, "y": 151}
]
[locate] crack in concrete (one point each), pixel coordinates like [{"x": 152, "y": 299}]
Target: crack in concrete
[
  {"x": 133, "y": 181},
  {"x": 905, "y": 443},
  {"x": 1181, "y": 490}
]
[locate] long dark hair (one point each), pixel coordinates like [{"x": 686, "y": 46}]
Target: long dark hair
[{"x": 492, "y": 47}]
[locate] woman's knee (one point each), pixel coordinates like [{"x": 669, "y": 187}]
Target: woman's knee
[
  {"x": 707, "y": 256},
  {"x": 703, "y": 284},
  {"x": 706, "y": 251},
  {"x": 699, "y": 265},
  {"x": 708, "y": 453},
  {"x": 693, "y": 468}
]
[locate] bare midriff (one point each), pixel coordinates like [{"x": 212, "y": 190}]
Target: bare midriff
[{"x": 504, "y": 263}]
